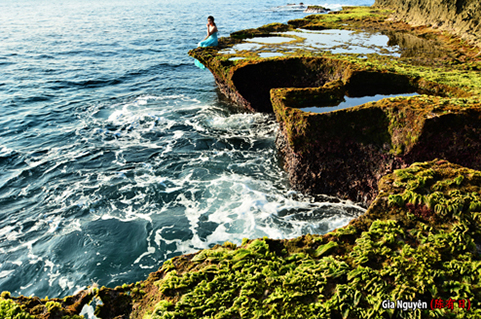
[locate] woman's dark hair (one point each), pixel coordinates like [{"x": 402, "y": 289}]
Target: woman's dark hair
[{"x": 212, "y": 19}]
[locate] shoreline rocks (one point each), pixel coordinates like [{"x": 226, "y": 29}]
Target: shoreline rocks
[
  {"x": 344, "y": 153},
  {"x": 462, "y": 18},
  {"x": 420, "y": 238},
  {"x": 316, "y": 9}
]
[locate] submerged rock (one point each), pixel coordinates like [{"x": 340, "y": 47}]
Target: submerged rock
[
  {"x": 316, "y": 9},
  {"x": 419, "y": 241}
]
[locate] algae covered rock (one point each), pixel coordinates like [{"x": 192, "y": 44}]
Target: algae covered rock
[
  {"x": 417, "y": 245},
  {"x": 316, "y": 9},
  {"x": 345, "y": 152},
  {"x": 35, "y": 308},
  {"x": 462, "y": 17},
  {"x": 415, "y": 253},
  {"x": 393, "y": 252}
]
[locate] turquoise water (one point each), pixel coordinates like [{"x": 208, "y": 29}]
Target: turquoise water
[{"x": 117, "y": 153}]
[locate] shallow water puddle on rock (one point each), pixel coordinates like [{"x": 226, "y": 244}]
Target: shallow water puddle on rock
[
  {"x": 241, "y": 47},
  {"x": 412, "y": 46},
  {"x": 271, "y": 40},
  {"x": 353, "y": 101},
  {"x": 269, "y": 54},
  {"x": 344, "y": 41},
  {"x": 333, "y": 40},
  {"x": 395, "y": 44}
]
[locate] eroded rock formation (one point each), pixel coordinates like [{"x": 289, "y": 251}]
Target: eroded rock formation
[
  {"x": 420, "y": 239},
  {"x": 344, "y": 153},
  {"x": 316, "y": 9},
  {"x": 460, "y": 17}
]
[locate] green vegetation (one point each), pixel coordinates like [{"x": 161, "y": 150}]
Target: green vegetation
[
  {"x": 396, "y": 251},
  {"x": 11, "y": 310},
  {"x": 355, "y": 16},
  {"x": 419, "y": 240}
]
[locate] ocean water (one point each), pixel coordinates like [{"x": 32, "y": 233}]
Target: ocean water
[{"x": 117, "y": 153}]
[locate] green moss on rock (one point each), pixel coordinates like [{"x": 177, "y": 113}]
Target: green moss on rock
[
  {"x": 397, "y": 250},
  {"x": 35, "y": 308},
  {"x": 11, "y": 310},
  {"x": 420, "y": 238}
]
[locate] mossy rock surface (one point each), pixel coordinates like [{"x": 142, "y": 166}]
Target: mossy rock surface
[
  {"x": 423, "y": 246},
  {"x": 35, "y": 308},
  {"x": 436, "y": 60},
  {"x": 420, "y": 240},
  {"x": 344, "y": 153}
]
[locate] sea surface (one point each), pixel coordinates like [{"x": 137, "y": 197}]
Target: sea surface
[{"x": 117, "y": 153}]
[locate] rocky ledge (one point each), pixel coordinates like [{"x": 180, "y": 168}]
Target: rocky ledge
[
  {"x": 345, "y": 152},
  {"x": 462, "y": 17},
  {"x": 415, "y": 253},
  {"x": 418, "y": 244}
]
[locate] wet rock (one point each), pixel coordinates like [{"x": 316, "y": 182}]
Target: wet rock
[
  {"x": 420, "y": 238},
  {"x": 344, "y": 153},
  {"x": 316, "y": 9},
  {"x": 35, "y": 308}
]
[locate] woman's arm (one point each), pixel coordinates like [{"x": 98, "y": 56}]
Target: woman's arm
[{"x": 210, "y": 31}]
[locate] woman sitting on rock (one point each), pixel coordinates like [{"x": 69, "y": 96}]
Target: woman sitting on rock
[{"x": 211, "y": 38}]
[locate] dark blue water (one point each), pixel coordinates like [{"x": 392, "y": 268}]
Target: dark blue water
[{"x": 117, "y": 153}]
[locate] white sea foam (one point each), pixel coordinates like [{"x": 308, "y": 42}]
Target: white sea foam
[
  {"x": 105, "y": 163},
  {"x": 5, "y": 273},
  {"x": 65, "y": 283},
  {"x": 88, "y": 312},
  {"x": 180, "y": 183}
]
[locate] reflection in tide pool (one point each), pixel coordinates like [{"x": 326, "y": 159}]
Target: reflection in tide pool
[
  {"x": 269, "y": 54},
  {"x": 345, "y": 41},
  {"x": 271, "y": 40},
  {"x": 241, "y": 47},
  {"x": 353, "y": 101},
  {"x": 333, "y": 40}
]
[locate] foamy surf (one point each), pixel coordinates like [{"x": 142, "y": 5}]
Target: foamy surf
[
  {"x": 116, "y": 153},
  {"x": 194, "y": 181}
]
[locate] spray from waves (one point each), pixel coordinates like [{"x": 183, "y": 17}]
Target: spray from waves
[
  {"x": 147, "y": 179},
  {"x": 220, "y": 168}
]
